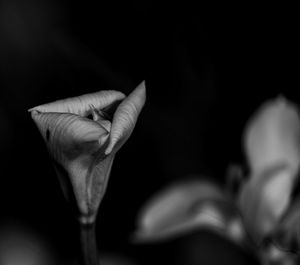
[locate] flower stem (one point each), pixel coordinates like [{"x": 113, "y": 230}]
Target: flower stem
[{"x": 89, "y": 251}]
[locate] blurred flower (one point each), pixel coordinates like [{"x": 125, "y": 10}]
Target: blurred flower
[
  {"x": 262, "y": 214},
  {"x": 272, "y": 148},
  {"x": 83, "y": 149},
  {"x": 187, "y": 206}
]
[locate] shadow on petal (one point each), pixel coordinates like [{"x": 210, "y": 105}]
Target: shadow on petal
[
  {"x": 264, "y": 199},
  {"x": 287, "y": 234}
]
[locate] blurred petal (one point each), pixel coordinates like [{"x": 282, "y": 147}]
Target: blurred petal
[
  {"x": 185, "y": 207},
  {"x": 287, "y": 234},
  {"x": 125, "y": 117},
  {"x": 82, "y": 105},
  {"x": 271, "y": 142},
  {"x": 272, "y": 136},
  {"x": 271, "y": 255},
  {"x": 263, "y": 202}
]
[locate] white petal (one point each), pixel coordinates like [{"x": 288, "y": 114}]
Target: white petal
[
  {"x": 273, "y": 136},
  {"x": 271, "y": 143},
  {"x": 82, "y": 105},
  {"x": 67, "y": 131},
  {"x": 77, "y": 146},
  {"x": 264, "y": 199},
  {"x": 125, "y": 117},
  {"x": 185, "y": 207}
]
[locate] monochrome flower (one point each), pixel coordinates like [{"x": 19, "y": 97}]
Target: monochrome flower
[{"x": 83, "y": 149}]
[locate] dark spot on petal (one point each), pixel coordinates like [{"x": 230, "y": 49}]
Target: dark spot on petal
[{"x": 47, "y": 135}]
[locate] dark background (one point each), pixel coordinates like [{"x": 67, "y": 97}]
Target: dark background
[{"x": 207, "y": 68}]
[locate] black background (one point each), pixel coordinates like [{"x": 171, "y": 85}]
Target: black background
[{"x": 207, "y": 68}]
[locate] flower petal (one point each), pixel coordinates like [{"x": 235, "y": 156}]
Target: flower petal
[
  {"x": 125, "y": 117},
  {"x": 64, "y": 130},
  {"x": 97, "y": 180},
  {"x": 264, "y": 199},
  {"x": 77, "y": 144},
  {"x": 82, "y": 105},
  {"x": 272, "y": 136},
  {"x": 287, "y": 234},
  {"x": 271, "y": 142},
  {"x": 185, "y": 207},
  {"x": 273, "y": 255}
]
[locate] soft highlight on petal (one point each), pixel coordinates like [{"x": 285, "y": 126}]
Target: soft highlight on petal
[
  {"x": 273, "y": 136},
  {"x": 82, "y": 105},
  {"x": 125, "y": 117},
  {"x": 264, "y": 199},
  {"x": 185, "y": 207}
]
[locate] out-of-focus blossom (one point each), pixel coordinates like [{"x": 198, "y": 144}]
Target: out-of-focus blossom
[
  {"x": 272, "y": 147},
  {"x": 83, "y": 149},
  {"x": 185, "y": 207},
  {"x": 270, "y": 217},
  {"x": 271, "y": 136}
]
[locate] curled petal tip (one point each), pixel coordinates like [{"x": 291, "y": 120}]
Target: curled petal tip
[
  {"x": 126, "y": 116},
  {"x": 33, "y": 112},
  {"x": 108, "y": 150},
  {"x": 142, "y": 87}
]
